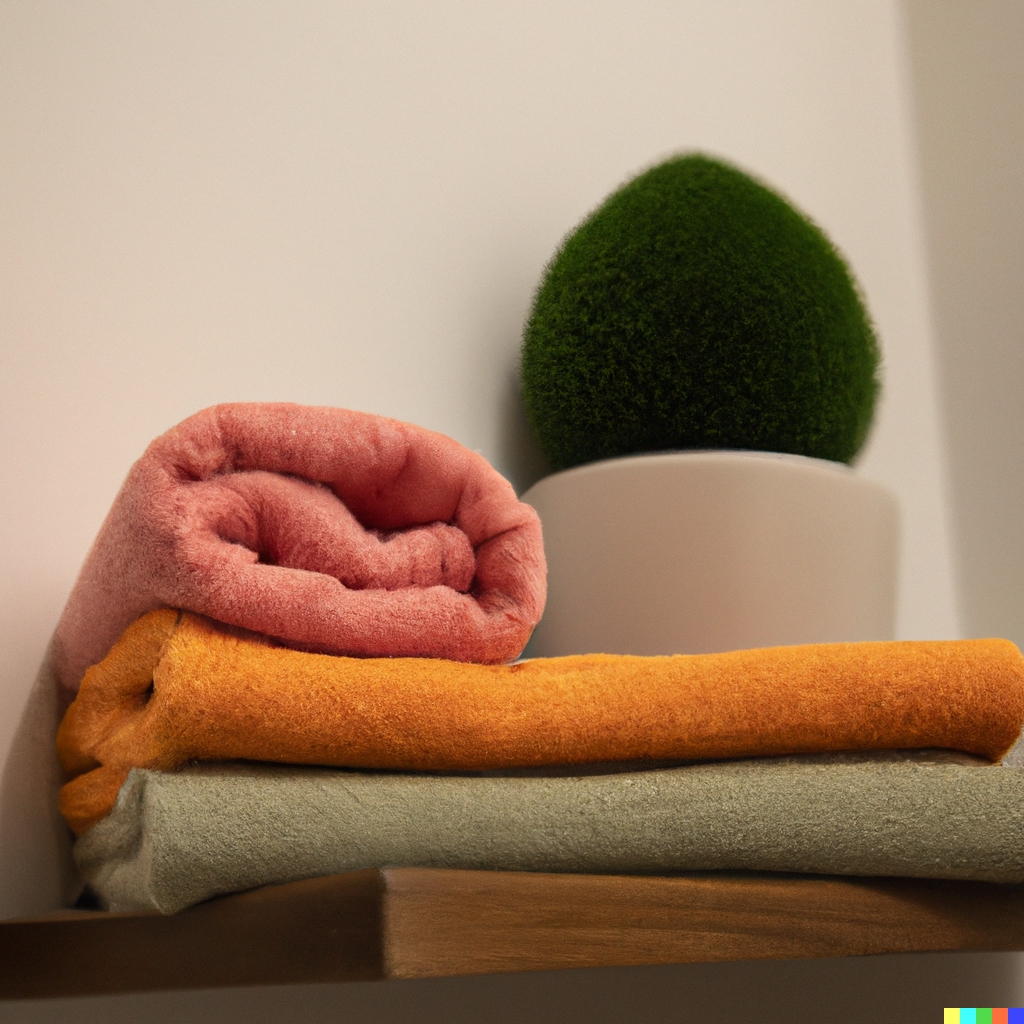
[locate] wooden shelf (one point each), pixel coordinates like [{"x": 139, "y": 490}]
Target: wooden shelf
[{"x": 423, "y": 922}]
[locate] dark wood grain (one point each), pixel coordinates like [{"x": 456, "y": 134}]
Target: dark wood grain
[
  {"x": 422, "y": 922},
  {"x": 323, "y": 929},
  {"x": 465, "y": 922}
]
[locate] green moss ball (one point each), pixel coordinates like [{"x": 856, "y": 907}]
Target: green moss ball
[{"x": 698, "y": 309}]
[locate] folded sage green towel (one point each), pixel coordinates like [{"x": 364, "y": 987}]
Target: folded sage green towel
[{"x": 175, "y": 839}]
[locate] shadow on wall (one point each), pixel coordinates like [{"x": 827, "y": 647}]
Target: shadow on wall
[
  {"x": 519, "y": 457},
  {"x": 35, "y": 843},
  {"x": 909, "y": 988}
]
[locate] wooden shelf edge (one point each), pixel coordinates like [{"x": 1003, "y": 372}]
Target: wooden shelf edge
[{"x": 430, "y": 922}]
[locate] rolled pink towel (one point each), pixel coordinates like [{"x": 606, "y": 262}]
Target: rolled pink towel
[{"x": 332, "y": 531}]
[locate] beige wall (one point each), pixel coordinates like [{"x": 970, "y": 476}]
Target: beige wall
[
  {"x": 968, "y": 63},
  {"x": 350, "y": 203}
]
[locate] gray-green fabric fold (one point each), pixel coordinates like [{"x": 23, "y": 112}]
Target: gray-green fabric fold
[{"x": 177, "y": 839}]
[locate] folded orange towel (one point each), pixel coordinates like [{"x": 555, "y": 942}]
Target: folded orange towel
[{"x": 178, "y": 688}]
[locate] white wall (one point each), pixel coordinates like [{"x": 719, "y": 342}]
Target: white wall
[
  {"x": 350, "y": 203},
  {"x": 968, "y": 62}
]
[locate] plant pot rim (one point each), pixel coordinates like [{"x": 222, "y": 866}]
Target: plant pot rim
[{"x": 689, "y": 456}]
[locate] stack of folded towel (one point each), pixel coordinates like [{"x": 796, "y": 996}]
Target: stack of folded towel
[{"x": 316, "y": 609}]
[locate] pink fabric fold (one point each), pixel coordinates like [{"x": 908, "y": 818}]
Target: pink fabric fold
[{"x": 332, "y": 531}]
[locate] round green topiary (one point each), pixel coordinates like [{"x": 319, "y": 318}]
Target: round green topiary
[{"x": 698, "y": 309}]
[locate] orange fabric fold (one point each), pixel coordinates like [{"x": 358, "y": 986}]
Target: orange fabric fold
[{"x": 179, "y": 688}]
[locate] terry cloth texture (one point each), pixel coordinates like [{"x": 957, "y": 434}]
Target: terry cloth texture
[
  {"x": 331, "y": 530},
  {"x": 176, "y": 839},
  {"x": 179, "y": 688}
]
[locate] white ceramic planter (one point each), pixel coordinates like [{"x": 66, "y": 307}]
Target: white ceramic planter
[{"x": 692, "y": 552}]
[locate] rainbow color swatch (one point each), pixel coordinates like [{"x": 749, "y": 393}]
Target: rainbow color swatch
[{"x": 983, "y": 1015}]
